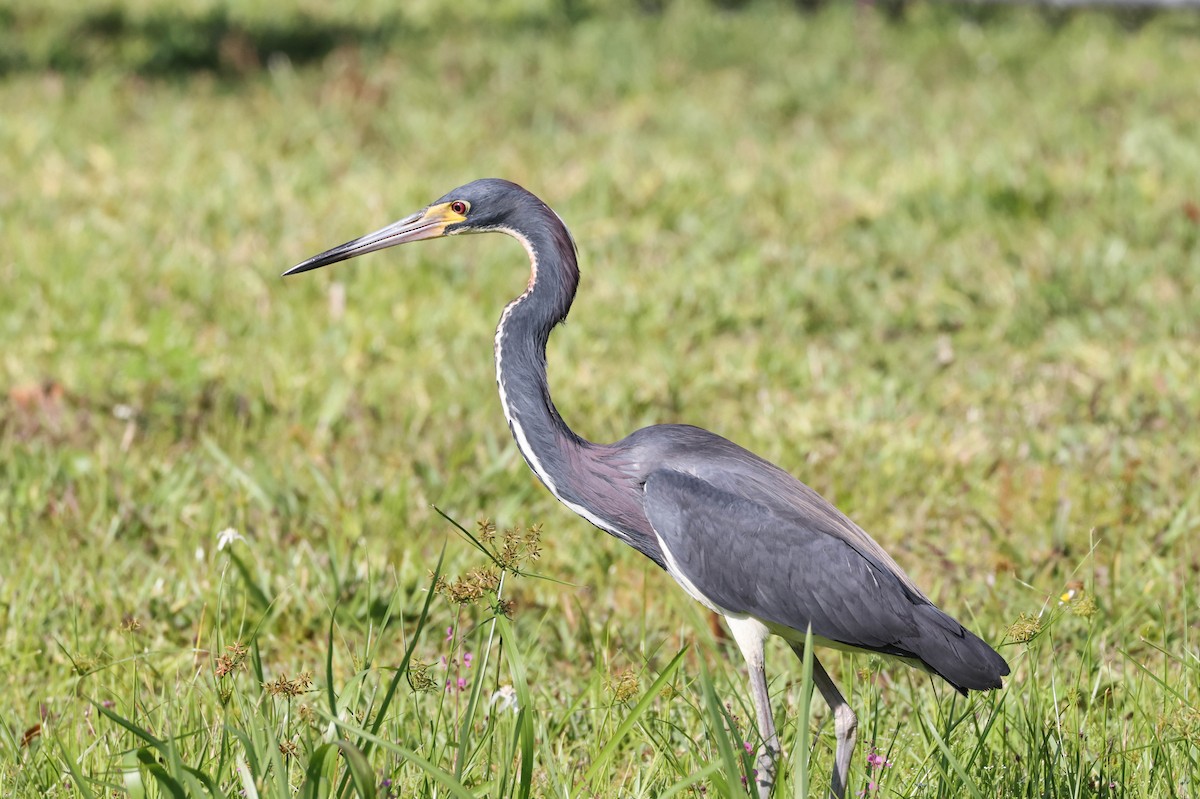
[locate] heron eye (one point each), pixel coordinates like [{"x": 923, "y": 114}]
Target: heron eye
[{"x": 459, "y": 207}]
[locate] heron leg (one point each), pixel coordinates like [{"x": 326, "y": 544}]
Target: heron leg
[
  {"x": 845, "y": 724},
  {"x": 750, "y": 635},
  {"x": 768, "y": 756}
]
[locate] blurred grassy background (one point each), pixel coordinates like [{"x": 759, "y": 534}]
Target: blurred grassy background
[{"x": 944, "y": 268}]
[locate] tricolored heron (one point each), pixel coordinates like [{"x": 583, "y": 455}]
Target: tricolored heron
[{"x": 739, "y": 534}]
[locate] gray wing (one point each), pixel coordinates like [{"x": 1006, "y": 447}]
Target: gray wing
[
  {"x": 794, "y": 569},
  {"x": 747, "y": 557}
]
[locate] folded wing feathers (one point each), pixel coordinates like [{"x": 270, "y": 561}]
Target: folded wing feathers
[{"x": 797, "y": 567}]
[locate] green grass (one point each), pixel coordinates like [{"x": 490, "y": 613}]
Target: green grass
[{"x": 945, "y": 270}]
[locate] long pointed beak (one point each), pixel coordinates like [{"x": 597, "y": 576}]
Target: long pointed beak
[{"x": 427, "y": 224}]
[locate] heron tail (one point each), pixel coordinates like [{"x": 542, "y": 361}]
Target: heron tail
[{"x": 956, "y": 654}]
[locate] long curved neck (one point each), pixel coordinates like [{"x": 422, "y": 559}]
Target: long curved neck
[
  {"x": 543, "y": 437},
  {"x": 575, "y": 470}
]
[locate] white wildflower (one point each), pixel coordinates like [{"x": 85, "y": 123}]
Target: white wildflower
[
  {"x": 504, "y": 699},
  {"x": 227, "y": 536}
]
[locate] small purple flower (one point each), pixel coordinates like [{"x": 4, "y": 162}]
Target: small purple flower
[
  {"x": 449, "y": 634},
  {"x": 749, "y": 747},
  {"x": 462, "y": 683},
  {"x": 467, "y": 658},
  {"x": 877, "y": 761}
]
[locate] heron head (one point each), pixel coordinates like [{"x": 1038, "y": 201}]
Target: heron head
[{"x": 482, "y": 205}]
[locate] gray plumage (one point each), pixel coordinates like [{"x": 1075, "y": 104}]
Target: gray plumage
[
  {"x": 756, "y": 541},
  {"x": 737, "y": 532}
]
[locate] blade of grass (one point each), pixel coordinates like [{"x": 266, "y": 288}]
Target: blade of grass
[
  {"x": 256, "y": 660},
  {"x": 690, "y": 780},
  {"x": 468, "y": 718},
  {"x": 198, "y": 776},
  {"x": 7, "y": 736},
  {"x": 137, "y": 731},
  {"x": 475, "y": 542},
  {"x": 982, "y": 734},
  {"x": 408, "y": 652},
  {"x": 359, "y": 768},
  {"x": 241, "y": 477},
  {"x": 377, "y": 640},
  {"x": 80, "y": 783},
  {"x": 155, "y": 769},
  {"x": 953, "y": 761},
  {"x": 329, "y": 692},
  {"x": 259, "y": 596},
  {"x": 601, "y": 759},
  {"x": 248, "y": 788},
  {"x": 718, "y": 729},
  {"x": 131, "y": 776},
  {"x": 516, "y": 670},
  {"x": 801, "y": 747},
  {"x": 1157, "y": 678},
  {"x": 364, "y": 744},
  {"x": 275, "y": 763},
  {"x": 319, "y": 771},
  {"x": 477, "y": 689},
  {"x": 436, "y": 774},
  {"x": 247, "y": 749}
]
